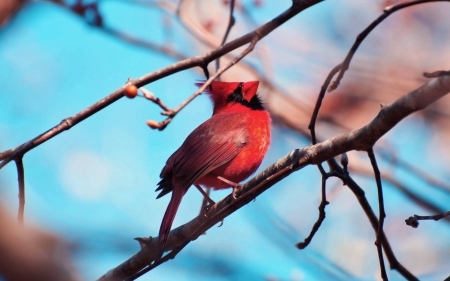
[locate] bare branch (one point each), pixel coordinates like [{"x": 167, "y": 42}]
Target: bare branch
[
  {"x": 382, "y": 214},
  {"x": 360, "y": 139},
  {"x": 199, "y": 61},
  {"x": 360, "y": 196},
  {"x": 149, "y": 95},
  {"x": 323, "y": 204},
  {"x": 414, "y": 221},
  {"x": 231, "y": 22},
  {"x": 21, "y": 180},
  {"x": 360, "y": 38},
  {"x": 342, "y": 67},
  {"x": 407, "y": 192},
  {"x": 323, "y": 89},
  {"x": 162, "y": 125}
]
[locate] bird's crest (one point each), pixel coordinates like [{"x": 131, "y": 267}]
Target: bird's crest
[{"x": 219, "y": 91}]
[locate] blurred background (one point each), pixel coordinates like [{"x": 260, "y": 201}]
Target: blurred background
[{"x": 93, "y": 186}]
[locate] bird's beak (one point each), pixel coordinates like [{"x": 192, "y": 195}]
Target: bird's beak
[{"x": 249, "y": 89}]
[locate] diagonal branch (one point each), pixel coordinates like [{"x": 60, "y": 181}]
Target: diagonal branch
[
  {"x": 360, "y": 139},
  {"x": 360, "y": 196},
  {"x": 382, "y": 214},
  {"x": 342, "y": 67},
  {"x": 360, "y": 38},
  {"x": 198, "y": 61},
  {"x": 171, "y": 114},
  {"x": 403, "y": 189}
]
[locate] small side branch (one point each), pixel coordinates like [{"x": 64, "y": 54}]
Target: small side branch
[
  {"x": 21, "y": 180},
  {"x": 173, "y": 112},
  {"x": 343, "y": 67},
  {"x": 382, "y": 215},
  {"x": 360, "y": 38},
  {"x": 323, "y": 90},
  {"x": 231, "y": 22},
  {"x": 198, "y": 61},
  {"x": 359, "y": 139},
  {"x": 323, "y": 204},
  {"x": 360, "y": 196},
  {"x": 414, "y": 220}
]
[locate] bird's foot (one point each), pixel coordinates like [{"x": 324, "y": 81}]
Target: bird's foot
[
  {"x": 234, "y": 185},
  {"x": 205, "y": 209},
  {"x": 205, "y": 195},
  {"x": 235, "y": 190}
]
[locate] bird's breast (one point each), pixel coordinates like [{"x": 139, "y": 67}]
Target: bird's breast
[{"x": 249, "y": 158}]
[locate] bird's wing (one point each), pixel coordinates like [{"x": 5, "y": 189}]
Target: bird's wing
[{"x": 211, "y": 145}]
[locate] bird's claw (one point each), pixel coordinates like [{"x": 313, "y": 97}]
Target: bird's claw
[
  {"x": 205, "y": 209},
  {"x": 235, "y": 190}
]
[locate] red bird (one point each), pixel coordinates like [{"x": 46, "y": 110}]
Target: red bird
[{"x": 223, "y": 151}]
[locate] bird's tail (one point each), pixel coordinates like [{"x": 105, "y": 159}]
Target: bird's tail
[{"x": 167, "y": 221}]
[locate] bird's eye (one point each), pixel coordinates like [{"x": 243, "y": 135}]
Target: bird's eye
[{"x": 234, "y": 98}]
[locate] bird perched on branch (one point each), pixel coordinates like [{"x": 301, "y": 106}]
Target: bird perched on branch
[{"x": 223, "y": 151}]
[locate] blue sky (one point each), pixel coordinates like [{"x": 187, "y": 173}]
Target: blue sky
[{"x": 94, "y": 184}]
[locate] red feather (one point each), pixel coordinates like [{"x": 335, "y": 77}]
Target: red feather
[{"x": 231, "y": 144}]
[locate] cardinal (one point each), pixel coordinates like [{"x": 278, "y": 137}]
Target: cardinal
[{"x": 223, "y": 151}]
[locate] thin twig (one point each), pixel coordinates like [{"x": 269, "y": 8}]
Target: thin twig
[
  {"x": 360, "y": 196},
  {"x": 360, "y": 38},
  {"x": 323, "y": 90},
  {"x": 359, "y": 139},
  {"x": 414, "y": 220},
  {"x": 323, "y": 204},
  {"x": 150, "y": 96},
  {"x": 382, "y": 214},
  {"x": 21, "y": 180},
  {"x": 198, "y": 61},
  {"x": 162, "y": 125},
  {"x": 342, "y": 67},
  {"x": 231, "y": 22},
  {"x": 407, "y": 192}
]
